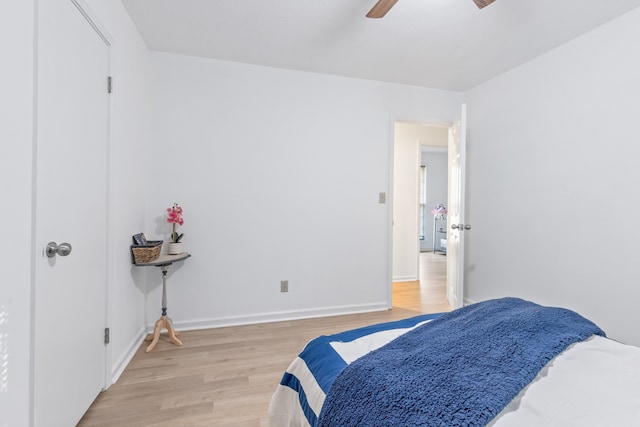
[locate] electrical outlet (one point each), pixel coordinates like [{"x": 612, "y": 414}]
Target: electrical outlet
[{"x": 284, "y": 286}]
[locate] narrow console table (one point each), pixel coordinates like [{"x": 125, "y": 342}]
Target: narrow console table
[{"x": 165, "y": 322}]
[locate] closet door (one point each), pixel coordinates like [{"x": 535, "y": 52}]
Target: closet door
[{"x": 71, "y": 207}]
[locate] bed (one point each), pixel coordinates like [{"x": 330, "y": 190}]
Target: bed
[{"x": 504, "y": 362}]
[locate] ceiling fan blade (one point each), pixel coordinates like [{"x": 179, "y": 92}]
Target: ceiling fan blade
[
  {"x": 381, "y": 8},
  {"x": 483, "y": 3}
]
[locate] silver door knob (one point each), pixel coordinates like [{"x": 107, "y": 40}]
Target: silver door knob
[
  {"x": 460, "y": 227},
  {"x": 54, "y": 249}
]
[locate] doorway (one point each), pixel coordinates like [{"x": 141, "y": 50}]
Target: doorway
[{"x": 410, "y": 140}]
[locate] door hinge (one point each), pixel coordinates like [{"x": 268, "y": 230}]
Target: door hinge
[
  {"x": 109, "y": 84},
  {"x": 106, "y": 335}
]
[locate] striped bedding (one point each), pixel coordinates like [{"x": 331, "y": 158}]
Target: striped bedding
[{"x": 304, "y": 386}]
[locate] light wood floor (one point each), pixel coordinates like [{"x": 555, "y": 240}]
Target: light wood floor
[{"x": 226, "y": 376}]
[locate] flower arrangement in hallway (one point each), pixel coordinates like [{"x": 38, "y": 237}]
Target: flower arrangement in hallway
[
  {"x": 175, "y": 217},
  {"x": 439, "y": 210}
]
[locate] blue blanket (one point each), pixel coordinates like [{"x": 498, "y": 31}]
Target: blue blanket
[{"x": 461, "y": 369}]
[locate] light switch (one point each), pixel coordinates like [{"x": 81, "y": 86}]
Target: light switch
[{"x": 382, "y": 198}]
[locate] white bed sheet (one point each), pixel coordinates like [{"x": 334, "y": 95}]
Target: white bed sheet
[{"x": 592, "y": 383}]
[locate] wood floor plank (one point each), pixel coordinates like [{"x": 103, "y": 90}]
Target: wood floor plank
[{"x": 226, "y": 376}]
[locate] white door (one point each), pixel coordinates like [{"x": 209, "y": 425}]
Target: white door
[
  {"x": 455, "y": 215},
  {"x": 71, "y": 206}
]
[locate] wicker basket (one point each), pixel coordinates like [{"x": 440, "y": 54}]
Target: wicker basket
[{"x": 146, "y": 253}]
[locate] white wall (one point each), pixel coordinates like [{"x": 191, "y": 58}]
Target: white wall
[
  {"x": 553, "y": 170},
  {"x": 16, "y": 140},
  {"x": 278, "y": 173},
  {"x": 406, "y": 168}
]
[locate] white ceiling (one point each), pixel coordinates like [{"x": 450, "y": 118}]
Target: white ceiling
[{"x": 444, "y": 44}]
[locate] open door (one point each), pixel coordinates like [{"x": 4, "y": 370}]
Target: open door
[{"x": 455, "y": 241}]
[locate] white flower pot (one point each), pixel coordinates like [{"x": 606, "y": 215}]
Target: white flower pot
[{"x": 175, "y": 248}]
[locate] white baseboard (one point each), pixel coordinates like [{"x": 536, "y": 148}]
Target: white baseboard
[
  {"x": 467, "y": 301},
  {"x": 118, "y": 368},
  {"x": 220, "y": 322},
  {"x": 404, "y": 279},
  {"x": 282, "y": 316}
]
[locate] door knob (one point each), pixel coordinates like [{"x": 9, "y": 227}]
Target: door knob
[
  {"x": 460, "y": 227},
  {"x": 54, "y": 249}
]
